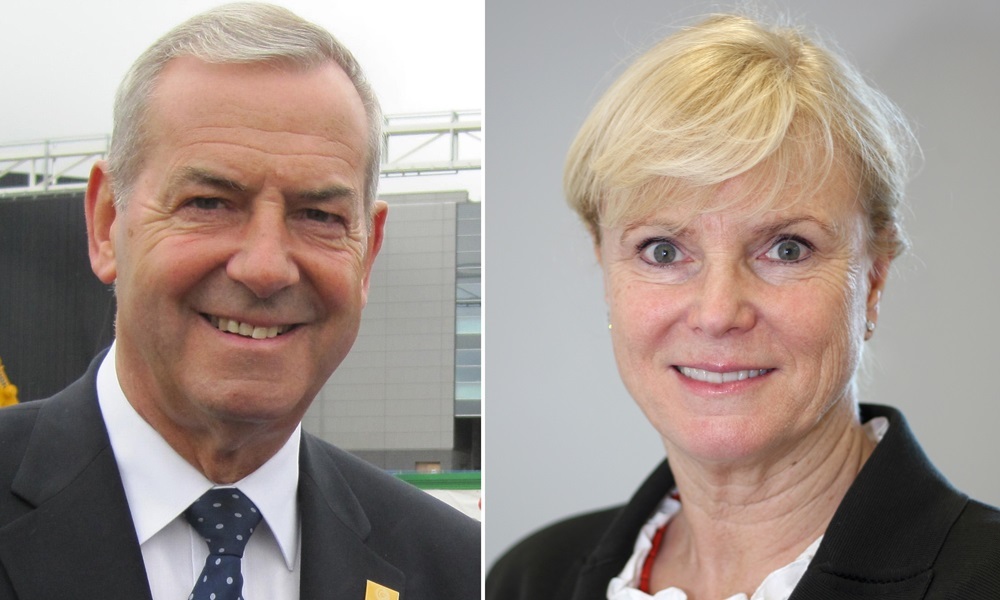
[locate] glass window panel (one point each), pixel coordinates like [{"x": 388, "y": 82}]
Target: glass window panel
[
  {"x": 468, "y": 243},
  {"x": 468, "y": 408},
  {"x": 468, "y": 290},
  {"x": 471, "y": 341},
  {"x": 466, "y": 325},
  {"x": 469, "y": 210},
  {"x": 468, "y": 374},
  {"x": 468, "y": 310},
  {"x": 468, "y": 391},
  {"x": 468, "y": 259},
  {"x": 469, "y": 227},
  {"x": 468, "y": 357}
]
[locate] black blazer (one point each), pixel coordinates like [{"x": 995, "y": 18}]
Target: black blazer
[
  {"x": 901, "y": 533},
  {"x": 66, "y": 531}
]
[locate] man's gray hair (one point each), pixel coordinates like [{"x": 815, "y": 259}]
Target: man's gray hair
[{"x": 242, "y": 32}]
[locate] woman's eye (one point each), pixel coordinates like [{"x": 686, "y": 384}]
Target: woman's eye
[
  {"x": 788, "y": 250},
  {"x": 661, "y": 253}
]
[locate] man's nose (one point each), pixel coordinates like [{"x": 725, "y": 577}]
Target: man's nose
[{"x": 263, "y": 261}]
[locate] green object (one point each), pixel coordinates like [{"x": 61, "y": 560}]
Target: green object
[{"x": 456, "y": 480}]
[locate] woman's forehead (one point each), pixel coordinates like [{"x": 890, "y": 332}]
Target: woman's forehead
[
  {"x": 776, "y": 185},
  {"x": 745, "y": 203}
]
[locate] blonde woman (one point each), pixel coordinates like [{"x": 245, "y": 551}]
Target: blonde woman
[{"x": 742, "y": 187}]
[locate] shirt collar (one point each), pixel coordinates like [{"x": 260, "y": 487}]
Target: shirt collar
[{"x": 160, "y": 485}]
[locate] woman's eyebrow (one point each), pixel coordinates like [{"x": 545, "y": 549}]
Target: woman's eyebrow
[
  {"x": 777, "y": 227},
  {"x": 667, "y": 228}
]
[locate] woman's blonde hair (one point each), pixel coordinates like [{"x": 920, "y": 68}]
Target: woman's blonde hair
[{"x": 731, "y": 97}]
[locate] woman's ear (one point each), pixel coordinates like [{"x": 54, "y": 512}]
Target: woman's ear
[{"x": 877, "y": 274}]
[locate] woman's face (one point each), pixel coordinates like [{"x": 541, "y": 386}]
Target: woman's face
[{"x": 737, "y": 332}]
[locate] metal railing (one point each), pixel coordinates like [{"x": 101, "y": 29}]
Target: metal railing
[
  {"x": 413, "y": 144},
  {"x": 49, "y": 165},
  {"x": 432, "y": 143}
]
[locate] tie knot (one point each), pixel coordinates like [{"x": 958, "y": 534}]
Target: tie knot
[{"x": 225, "y": 517}]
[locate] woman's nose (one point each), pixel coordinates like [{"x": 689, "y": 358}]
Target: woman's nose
[{"x": 722, "y": 301}]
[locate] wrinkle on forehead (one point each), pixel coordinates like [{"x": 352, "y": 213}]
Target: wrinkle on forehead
[
  {"x": 208, "y": 178},
  {"x": 744, "y": 200}
]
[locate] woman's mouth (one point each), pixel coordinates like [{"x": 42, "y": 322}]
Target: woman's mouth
[{"x": 714, "y": 377}]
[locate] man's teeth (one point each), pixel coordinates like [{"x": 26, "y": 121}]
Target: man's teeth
[
  {"x": 248, "y": 330},
  {"x": 712, "y": 377}
]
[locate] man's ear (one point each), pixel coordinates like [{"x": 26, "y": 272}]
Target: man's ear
[
  {"x": 376, "y": 233},
  {"x": 101, "y": 213}
]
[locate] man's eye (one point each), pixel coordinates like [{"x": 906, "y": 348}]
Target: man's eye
[
  {"x": 661, "y": 253},
  {"x": 321, "y": 216},
  {"x": 206, "y": 203},
  {"x": 789, "y": 250}
]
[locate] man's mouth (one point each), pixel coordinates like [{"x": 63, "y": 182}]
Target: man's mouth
[
  {"x": 257, "y": 332},
  {"x": 713, "y": 377}
]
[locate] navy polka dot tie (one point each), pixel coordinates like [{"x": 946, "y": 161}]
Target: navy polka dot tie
[{"x": 225, "y": 518}]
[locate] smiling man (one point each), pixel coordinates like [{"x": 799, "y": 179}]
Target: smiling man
[{"x": 236, "y": 217}]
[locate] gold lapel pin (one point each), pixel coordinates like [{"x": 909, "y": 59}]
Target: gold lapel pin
[{"x": 375, "y": 591}]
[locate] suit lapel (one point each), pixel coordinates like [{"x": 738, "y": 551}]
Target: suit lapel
[
  {"x": 336, "y": 560},
  {"x": 78, "y": 540}
]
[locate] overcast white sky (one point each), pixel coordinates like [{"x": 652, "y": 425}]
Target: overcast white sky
[{"x": 63, "y": 59}]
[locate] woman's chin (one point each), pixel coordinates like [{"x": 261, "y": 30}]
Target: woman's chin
[{"x": 726, "y": 442}]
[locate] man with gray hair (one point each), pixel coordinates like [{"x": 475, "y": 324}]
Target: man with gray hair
[{"x": 236, "y": 217}]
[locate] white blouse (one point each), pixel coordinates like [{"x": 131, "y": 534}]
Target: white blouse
[{"x": 778, "y": 585}]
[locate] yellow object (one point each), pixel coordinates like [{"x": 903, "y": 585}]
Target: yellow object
[
  {"x": 375, "y": 591},
  {"x": 8, "y": 391}
]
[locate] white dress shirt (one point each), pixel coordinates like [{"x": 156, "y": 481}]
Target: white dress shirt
[
  {"x": 160, "y": 485},
  {"x": 778, "y": 585}
]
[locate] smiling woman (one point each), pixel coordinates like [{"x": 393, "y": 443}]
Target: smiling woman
[{"x": 742, "y": 185}]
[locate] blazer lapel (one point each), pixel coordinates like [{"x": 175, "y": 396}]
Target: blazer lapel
[
  {"x": 336, "y": 560},
  {"x": 615, "y": 548},
  {"x": 77, "y": 539},
  {"x": 871, "y": 548}
]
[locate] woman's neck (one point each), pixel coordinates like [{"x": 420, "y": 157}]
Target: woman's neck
[{"x": 739, "y": 523}]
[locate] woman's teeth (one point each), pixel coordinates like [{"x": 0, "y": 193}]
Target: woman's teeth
[{"x": 713, "y": 377}]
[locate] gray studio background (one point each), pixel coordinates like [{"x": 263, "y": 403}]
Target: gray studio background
[{"x": 562, "y": 435}]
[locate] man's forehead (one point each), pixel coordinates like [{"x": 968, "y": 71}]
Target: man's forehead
[
  {"x": 276, "y": 96},
  {"x": 241, "y": 123}
]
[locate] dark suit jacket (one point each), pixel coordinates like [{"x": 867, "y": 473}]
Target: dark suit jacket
[
  {"x": 66, "y": 531},
  {"x": 901, "y": 533}
]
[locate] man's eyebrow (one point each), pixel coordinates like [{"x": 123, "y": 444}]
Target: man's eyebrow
[
  {"x": 333, "y": 192},
  {"x": 204, "y": 177},
  {"x": 200, "y": 176}
]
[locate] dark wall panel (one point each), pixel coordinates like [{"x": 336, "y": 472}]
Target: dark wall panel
[{"x": 54, "y": 313}]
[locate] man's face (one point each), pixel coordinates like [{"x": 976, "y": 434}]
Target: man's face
[{"x": 241, "y": 261}]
